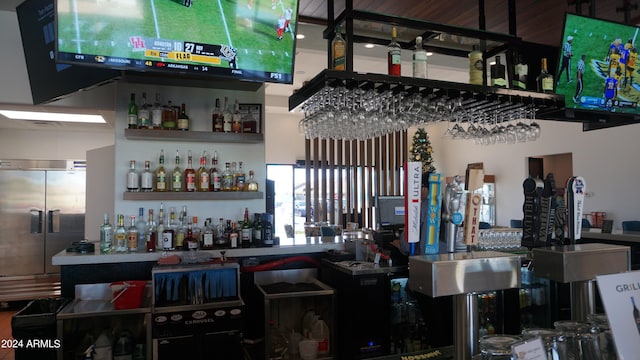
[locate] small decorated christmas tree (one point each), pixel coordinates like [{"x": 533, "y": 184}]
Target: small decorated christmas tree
[{"x": 421, "y": 150}]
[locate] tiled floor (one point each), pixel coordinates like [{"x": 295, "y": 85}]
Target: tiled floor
[{"x": 5, "y": 331}]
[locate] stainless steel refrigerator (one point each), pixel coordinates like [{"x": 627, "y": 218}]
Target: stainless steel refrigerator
[{"x": 42, "y": 208}]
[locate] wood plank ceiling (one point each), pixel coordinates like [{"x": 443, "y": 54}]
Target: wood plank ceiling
[{"x": 538, "y": 21}]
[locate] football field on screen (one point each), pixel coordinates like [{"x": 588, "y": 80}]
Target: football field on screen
[{"x": 104, "y": 27}]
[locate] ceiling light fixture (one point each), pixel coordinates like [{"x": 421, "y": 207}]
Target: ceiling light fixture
[
  {"x": 300, "y": 36},
  {"x": 369, "y": 46},
  {"x": 49, "y": 116}
]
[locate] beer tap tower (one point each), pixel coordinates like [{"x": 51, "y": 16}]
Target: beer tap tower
[{"x": 452, "y": 216}]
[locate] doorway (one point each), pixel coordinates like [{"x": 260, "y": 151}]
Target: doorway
[{"x": 560, "y": 165}]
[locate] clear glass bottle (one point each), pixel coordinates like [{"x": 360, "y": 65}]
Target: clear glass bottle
[
  {"x": 227, "y": 117},
  {"x": 252, "y": 184},
  {"x": 146, "y": 178},
  {"x": 222, "y": 235},
  {"x": 217, "y": 119},
  {"x": 208, "y": 235},
  {"x": 120, "y": 235},
  {"x": 239, "y": 178},
  {"x": 476, "y": 64},
  {"x": 227, "y": 178},
  {"x": 161, "y": 174},
  {"x": 142, "y": 229},
  {"x": 132, "y": 236},
  {"x": 133, "y": 178},
  {"x": 190, "y": 175},
  {"x": 339, "y": 51},
  {"x": 106, "y": 236},
  {"x": 183, "y": 119},
  {"x": 394, "y": 55},
  {"x": 156, "y": 113},
  {"x": 544, "y": 80},
  {"x": 236, "y": 124},
  {"x": 203, "y": 176},
  {"x": 215, "y": 180},
  {"x": 180, "y": 230},
  {"x": 419, "y": 60},
  {"x": 233, "y": 236},
  {"x": 133, "y": 112},
  {"x": 498, "y": 74},
  {"x": 176, "y": 175},
  {"x": 160, "y": 227},
  {"x": 144, "y": 113},
  {"x": 150, "y": 234}
]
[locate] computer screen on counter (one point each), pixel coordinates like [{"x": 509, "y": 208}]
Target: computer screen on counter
[{"x": 390, "y": 210}]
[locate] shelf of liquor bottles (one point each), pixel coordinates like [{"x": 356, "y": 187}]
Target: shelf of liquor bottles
[
  {"x": 188, "y": 196},
  {"x": 193, "y": 136}
]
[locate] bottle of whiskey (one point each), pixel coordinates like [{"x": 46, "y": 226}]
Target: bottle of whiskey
[
  {"x": 156, "y": 113},
  {"x": 106, "y": 236},
  {"x": 419, "y": 60},
  {"x": 239, "y": 178},
  {"x": 133, "y": 112},
  {"x": 190, "y": 175},
  {"x": 227, "y": 117},
  {"x": 183, "y": 119},
  {"x": 252, "y": 184},
  {"x": 161, "y": 174},
  {"x": 233, "y": 236},
  {"x": 214, "y": 174},
  {"x": 339, "y": 51},
  {"x": 176, "y": 176},
  {"x": 394, "y": 55},
  {"x": 236, "y": 124},
  {"x": 133, "y": 178},
  {"x": 227, "y": 178},
  {"x": 169, "y": 117},
  {"x": 249, "y": 123},
  {"x": 203, "y": 174},
  {"x": 144, "y": 114},
  {"x": 208, "y": 235},
  {"x": 217, "y": 119},
  {"x": 498, "y": 74},
  {"x": 120, "y": 235},
  {"x": 544, "y": 80},
  {"x": 132, "y": 236},
  {"x": 146, "y": 179},
  {"x": 150, "y": 234}
]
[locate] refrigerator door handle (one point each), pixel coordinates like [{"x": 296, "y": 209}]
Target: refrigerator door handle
[
  {"x": 53, "y": 221},
  {"x": 36, "y": 221}
]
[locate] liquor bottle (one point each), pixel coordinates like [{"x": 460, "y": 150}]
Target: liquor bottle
[
  {"x": 146, "y": 178},
  {"x": 249, "y": 123},
  {"x": 180, "y": 230},
  {"x": 176, "y": 175},
  {"x": 246, "y": 232},
  {"x": 150, "y": 239},
  {"x": 120, "y": 235},
  {"x": 233, "y": 170},
  {"x": 267, "y": 230},
  {"x": 419, "y": 60},
  {"x": 636, "y": 313},
  {"x": 192, "y": 242},
  {"x": 132, "y": 236},
  {"x": 160, "y": 228},
  {"x": 222, "y": 235},
  {"x": 208, "y": 235},
  {"x": 144, "y": 114},
  {"x": 227, "y": 178},
  {"x": 202, "y": 175},
  {"x": 161, "y": 174},
  {"x": 475, "y": 66},
  {"x": 214, "y": 175},
  {"x": 190, "y": 175},
  {"x": 156, "y": 113},
  {"x": 133, "y": 178},
  {"x": 339, "y": 51},
  {"x": 133, "y": 112},
  {"x": 233, "y": 236},
  {"x": 142, "y": 229},
  {"x": 227, "y": 117},
  {"x": 168, "y": 234},
  {"x": 106, "y": 236},
  {"x": 544, "y": 80},
  {"x": 394, "y": 55},
  {"x": 252, "y": 184},
  {"x": 183, "y": 119},
  {"x": 169, "y": 117},
  {"x": 498, "y": 74},
  {"x": 520, "y": 74},
  {"x": 217, "y": 119},
  {"x": 236, "y": 119},
  {"x": 197, "y": 230},
  {"x": 257, "y": 230},
  {"x": 239, "y": 179}
]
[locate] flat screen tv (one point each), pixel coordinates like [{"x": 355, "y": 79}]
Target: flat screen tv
[
  {"x": 390, "y": 210},
  {"x": 608, "y": 53},
  {"x": 242, "y": 39},
  {"x": 49, "y": 80}
]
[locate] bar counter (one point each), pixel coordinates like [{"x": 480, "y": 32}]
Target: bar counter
[
  {"x": 297, "y": 245},
  {"x": 627, "y": 236}
]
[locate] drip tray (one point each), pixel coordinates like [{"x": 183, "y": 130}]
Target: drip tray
[{"x": 287, "y": 287}]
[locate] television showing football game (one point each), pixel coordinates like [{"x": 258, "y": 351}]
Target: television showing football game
[
  {"x": 243, "y": 39},
  {"x": 598, "y": 66}
]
